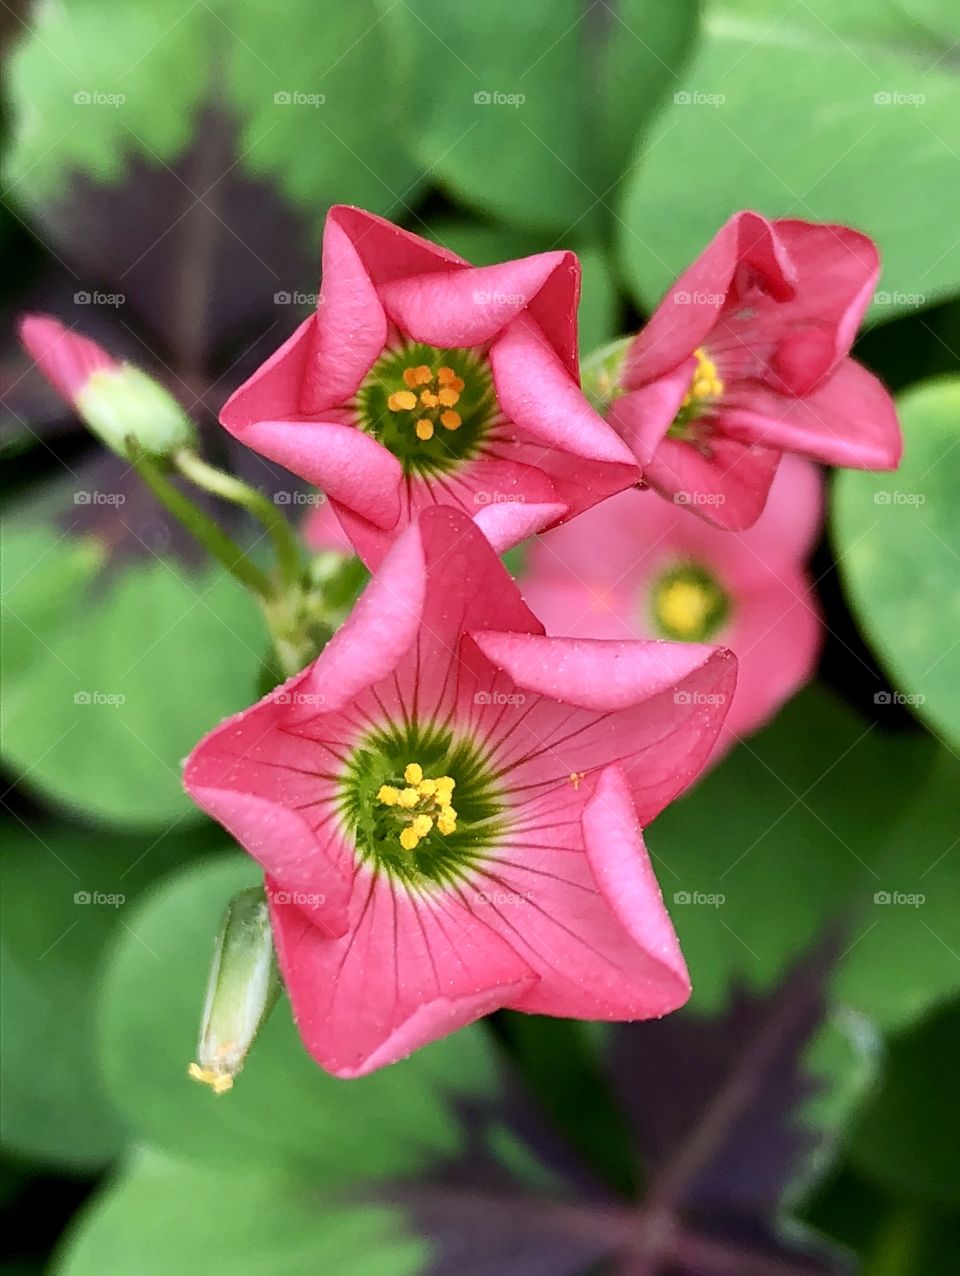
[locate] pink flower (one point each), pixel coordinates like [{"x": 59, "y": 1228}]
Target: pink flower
[
  {"x": 746, "y": 358},
  {"x": 422, "y": 380},
  {"x": 636, "y": 567},
  {"x": 448, "y": 807}
]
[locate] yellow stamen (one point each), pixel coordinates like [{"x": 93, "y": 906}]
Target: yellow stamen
[
  {"x": 408, "y": 798},
  {"x": 684, "y": 607},
  {"x": 413, "y": 773},
  {"x": 409, "y": 839},
  {"x": 402, "y": 401},
  {"x": 422, "y": 824},
  {"x": 428, "y": 399},
  {"x": 446, "y": 822},
  {"x": 219, "y": 1082},
  {"x": 448, "y": 396},
  {"x": 450, "y": 420},
  {"x": 427, "y": 788},
  {"x": 388, "y": 795},
  {"x": 424, "y": 429}
]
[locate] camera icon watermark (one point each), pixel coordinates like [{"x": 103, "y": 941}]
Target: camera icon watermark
[
  {"x": 496, "y": 98},
  {"x": 296, "y": 98},
  {"x": 706, "y": 899}
]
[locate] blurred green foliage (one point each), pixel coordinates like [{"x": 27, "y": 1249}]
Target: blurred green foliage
[{"x": 627, "y": 130}]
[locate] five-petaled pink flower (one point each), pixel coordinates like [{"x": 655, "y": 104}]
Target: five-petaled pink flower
[
  {"x": 746, "y": 358},
  {"x": 448, "y": 807},
  {"x": 421, "y": 380},
  {"x": 637, "y": 567}
]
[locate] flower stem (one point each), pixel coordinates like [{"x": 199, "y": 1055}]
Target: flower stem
[
  {"x": 200, "y": 525},
  {"x": 192, "y": 466}
]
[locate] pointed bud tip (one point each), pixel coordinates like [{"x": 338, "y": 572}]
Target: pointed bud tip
[{"x": 116, "y": 400}]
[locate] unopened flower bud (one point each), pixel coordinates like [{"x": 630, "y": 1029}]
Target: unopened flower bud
[
  {"x": 116, "y": 400},
  {"x": 240, "y": 994}
]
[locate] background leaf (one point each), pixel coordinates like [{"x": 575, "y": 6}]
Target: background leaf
[
  {"x": 530, "y": 111},
  {"x": 233, "y": 1224},
  {"x": 65, "y": 890},
  {"x": 842, "y": 113},
  {"x": 284, "y": 1113},
  {"x": 129, "y": 674},
  {"x": 898, "y": 541}
]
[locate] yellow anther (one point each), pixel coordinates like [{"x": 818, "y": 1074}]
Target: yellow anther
[
  {"x": 424, "y": 374},
  {"x": 219, "y": 1082},
  {"x": 409, "y": 839},
  {"x": 448, "y": 396},
  {"x": 427, "y": 788},
  {"x": 447, "y": 822},
  {"x": 413, "y": 773},
  {"x": 684, "y": 607},
  {"x": 408, "y": 798},
  {"x": 410, "y": 377},
  {"x": 428, "y": 399},
  {"x": 388, "y": 795},
  {"x": 445, "y": 375},
  {"x": 422, "y": 824},
  {"x": 445, "y": 787},
  {"x": 424, "y": 429},
  {"x": 402, "y": 401},
  {"x": 450, "y": 420}
]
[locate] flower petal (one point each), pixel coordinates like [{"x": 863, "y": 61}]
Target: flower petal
[
  {"x": 350, "y": 466},
  {"x": 65, "y": 358},
  {"x": 538, "y": 394},
  {"x": 656, "y": 707},
  {"x": 272, "y": 393},
  {"x": 258, "y": 781},
  {"x": 351, "y": 328},
  {"x": 580, "y": 903},
  {"x": 419, "y": 967},
  {"x": 467, "y": 307},
  {"x": 642, "y": 417},
  {"x": 387, "y": 251},
  {"x": 849, "y": 420},
  {"x": 728, "y": 486},
  {"x": 746, "y": 256}
]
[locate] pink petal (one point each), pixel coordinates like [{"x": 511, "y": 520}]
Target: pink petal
[
  {"x": 837, "y": 273},
  {"x": 65, "y": 358},
  {"x": 467, "y": 307},
  {"x": 655, "y": 706},
  {"x": 380, "y": 630},
  {"x": 252, "y": 776},
  {"x": 580, "y": 903},
  {"x": 777, "y": 634},
  {"x": 387, "y": 252},
  {"x": 849, "y": 420},
  {"x": 746, "y": 256},
  {"x": 507, "y": 524},
  {"x": 351, "y": 328},
  {"x": 728, "y": 487},
  {"x": 539, "y": 395},
  {"x": 273, "y": 392},
  {"x": 346, "y": 463},
  {"x": 642, "y": 417},
  {"x": 412, "y": 969},
  {"x": 554, "y": 310},
  {"x": 592, "y": 674}
]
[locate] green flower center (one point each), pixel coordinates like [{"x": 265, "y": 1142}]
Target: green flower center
[
  {"x": 688, "y": 604},
  {"x": 432, "y": 408},
  {"x": 420, "y": 804}
]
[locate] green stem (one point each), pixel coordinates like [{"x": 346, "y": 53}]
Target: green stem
[
  {"x": 220, "y": 483},
  {"x": 199, "y": 525}
]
